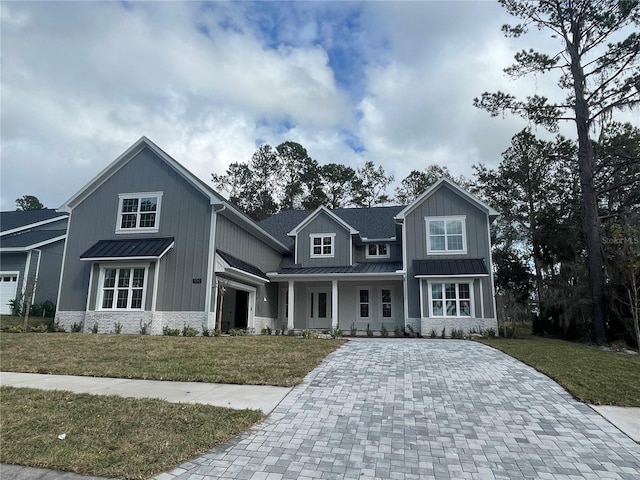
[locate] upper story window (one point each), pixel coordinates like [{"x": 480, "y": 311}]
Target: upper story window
[
  {"x": 446, "y": 235},
  {"x": 139, "y": 212},
  {"x": 322, "y": 245},
  {"x": 378, "y": 250}
]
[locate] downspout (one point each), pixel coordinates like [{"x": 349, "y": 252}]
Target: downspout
[{"x": 211, "y": 274}]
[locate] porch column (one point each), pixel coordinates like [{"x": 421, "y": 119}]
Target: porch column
[
  {"x": 290, "y": 310},
  {"x": 334, "y": 304},
  {"x": 421, "y": 298}
]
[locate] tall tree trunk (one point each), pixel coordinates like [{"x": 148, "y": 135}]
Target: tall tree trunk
[{"x": 591, "y": 221}]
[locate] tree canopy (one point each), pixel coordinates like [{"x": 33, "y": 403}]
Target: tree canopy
[
  {"x": 28, "y": 202},
  {"x": 597, "y": 61}
]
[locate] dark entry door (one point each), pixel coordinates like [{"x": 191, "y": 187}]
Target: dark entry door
[{"x": 242, "y": 309}]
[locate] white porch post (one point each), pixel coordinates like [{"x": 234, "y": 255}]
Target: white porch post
[
  {"x": 291, "y": 309},
  {"x": 334, "y": 304},
  {"x": 421, "y": 299}
]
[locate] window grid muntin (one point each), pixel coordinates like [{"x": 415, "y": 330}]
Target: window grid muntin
[
  {"x": 123, "y": 288},
  {"x": 322, "y": 245},
  {"x": 446, "y": 235},
  {"x": 451, "y": 300},
  {"x": 139, "y": 212}
]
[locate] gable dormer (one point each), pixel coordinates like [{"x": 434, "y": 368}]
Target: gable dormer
[{"x": 323, "y": 240}]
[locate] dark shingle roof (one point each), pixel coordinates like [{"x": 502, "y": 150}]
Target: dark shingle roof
[
  {"x": 30, "y": 237},
  {"x": 372, "y": 267},
  {"x": 17, "y": 219},
  {"x": 372, "y": 223},
  {"x": 129, "y": 248},
  {"x": 465, "y": 266},
  {"x": 242, "y": 265}
]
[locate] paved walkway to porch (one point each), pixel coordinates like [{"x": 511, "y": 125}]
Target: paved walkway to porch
[{"x": 423, "y": 409}]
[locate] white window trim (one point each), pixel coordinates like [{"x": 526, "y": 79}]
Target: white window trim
[
  {"x": 100, "y": 287},
  {"x": 382, "y": 317},
  {"x": 462, "y": 218},
  {"x": 358, "y": 303},
  {"x": 377, "y": 255},
  {"x": 139, "y": 195},
  {"x": 443, "y": 282},
  {"x": 321, "y": 236}
]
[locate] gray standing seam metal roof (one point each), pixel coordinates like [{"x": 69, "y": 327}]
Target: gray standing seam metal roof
[
  {"x": 126, "y": 248},
  {"x": 464, "y": 266},
  {"x": 372, "y": 267},
  {"x": 242, "y": 265},
  {"x": 11, "y": 220},
  {"x": 372, "y": 223},
  {"x": 30, "y": 237}
]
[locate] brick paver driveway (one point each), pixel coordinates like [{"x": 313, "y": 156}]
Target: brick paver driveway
[{"x": 404, "y": 409}]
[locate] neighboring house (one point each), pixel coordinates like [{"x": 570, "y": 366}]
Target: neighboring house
[
  {"x": 150, "y": 244},
  {"x": 427, "y": 265},
  {"x": 31, "y": 246}
]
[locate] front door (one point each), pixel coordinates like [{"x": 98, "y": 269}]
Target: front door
[{"x": 320, "y": 308}]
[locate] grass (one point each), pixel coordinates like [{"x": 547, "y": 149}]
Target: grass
[
  {"x": 110, "y": 436},
  {"x": 590, "y": 374},
  {"x": 256, "y": 360}
]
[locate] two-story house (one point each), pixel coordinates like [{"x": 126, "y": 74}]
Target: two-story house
[
  {"x": 149, "y": 244},
  {"x": 426, "y": 265},
  {"x": 31, "y": 246}
]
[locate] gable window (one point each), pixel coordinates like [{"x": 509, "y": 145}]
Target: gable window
[
  {"x": 446, "y": 235},
  {"x": 322, "y": 245},
  {"x": 138, "y": 212},
  {"x": 450, "y": 300},
  {"x": 378, "y": 250},
  {"x": 364, "y": 302},
  {"x": 122, "y": 288}
]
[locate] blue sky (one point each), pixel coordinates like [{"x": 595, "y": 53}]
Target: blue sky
[{"x": 391, "y": 82}]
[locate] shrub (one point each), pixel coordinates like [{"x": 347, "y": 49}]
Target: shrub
[
  {"x": 44, "y": 309},
  {"x": 14, "y": 329},
  {"x": 39, "y": 328},
  {"x": 77, "y": 327},
  {"x": 117, "y": 328},
  {"x": 444, "y": 333},
  {"x": 354, "y": 330},
  {"x": 56, "y": 327},
  {"x": 188, "y": 331},
  {"x": 277, "y": 332},
  {"x": 489, "y": 333},
  {"x": 94, "y": 328},
  {"x": 237, "y": 332},
  {"x": 306, "y": 333},
  {"x": 266, "y": 331},
  {"x": 383, "y": 331},
  {"x": 457, "y": 334},
  {"x": 433, "y": 333},
  {"x": 410, "y": 331},
  {"x": 205, "y": 331},
  {"x": 144, "y": 328},
  {"x": 170, "y": 332},
  {"x": 398, "y": 331},
  {"x": 369, "y": 331},
  {"x": 336, "y": 333},
  {"x": 15, "y": 304},
  {"x": 509, "y": 332}
]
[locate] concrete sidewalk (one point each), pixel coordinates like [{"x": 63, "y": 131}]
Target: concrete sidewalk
[{"x": 239, "y": 397}]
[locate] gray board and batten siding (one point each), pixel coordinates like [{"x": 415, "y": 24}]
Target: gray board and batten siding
[
  {"x": 324, "y": 224},
  {"x": 443, "y": 203},
  {"x": 183, "y": 209}
]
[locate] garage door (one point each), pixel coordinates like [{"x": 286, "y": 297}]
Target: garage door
[{"x": 8, "y": 289}]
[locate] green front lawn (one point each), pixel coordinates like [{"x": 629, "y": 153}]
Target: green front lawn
[
  {"x": 256, "y": 360},
  {"x": 110, "y": 436},
  {"x": 589, "y": 373}
]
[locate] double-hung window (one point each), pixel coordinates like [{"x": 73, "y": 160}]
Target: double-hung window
[
  {"x": 446, "y": 235},
  {"x": 364, "y": 302},
  {"x": 139, "y": 212},
  {"x": 450, "y": 299},
  {"x": 322, "y": 245},
  {"x": 378, "y": 250},
  {"x": 123, "y": 288}
]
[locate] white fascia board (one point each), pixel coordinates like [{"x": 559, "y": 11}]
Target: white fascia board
[
  {"x": 122, "y": 160},
  {"x": 433, "y": 188},
  {"x": 317, "y": 212},
  {"x": 26, "y": 248},
  {"x": 378, "y": 240},
  {"x": 445, "y": 277},
  {"x": 237, "y": 273},
  {"x": 34, "y": 225},
  {"x": 118, "y": 259}
]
